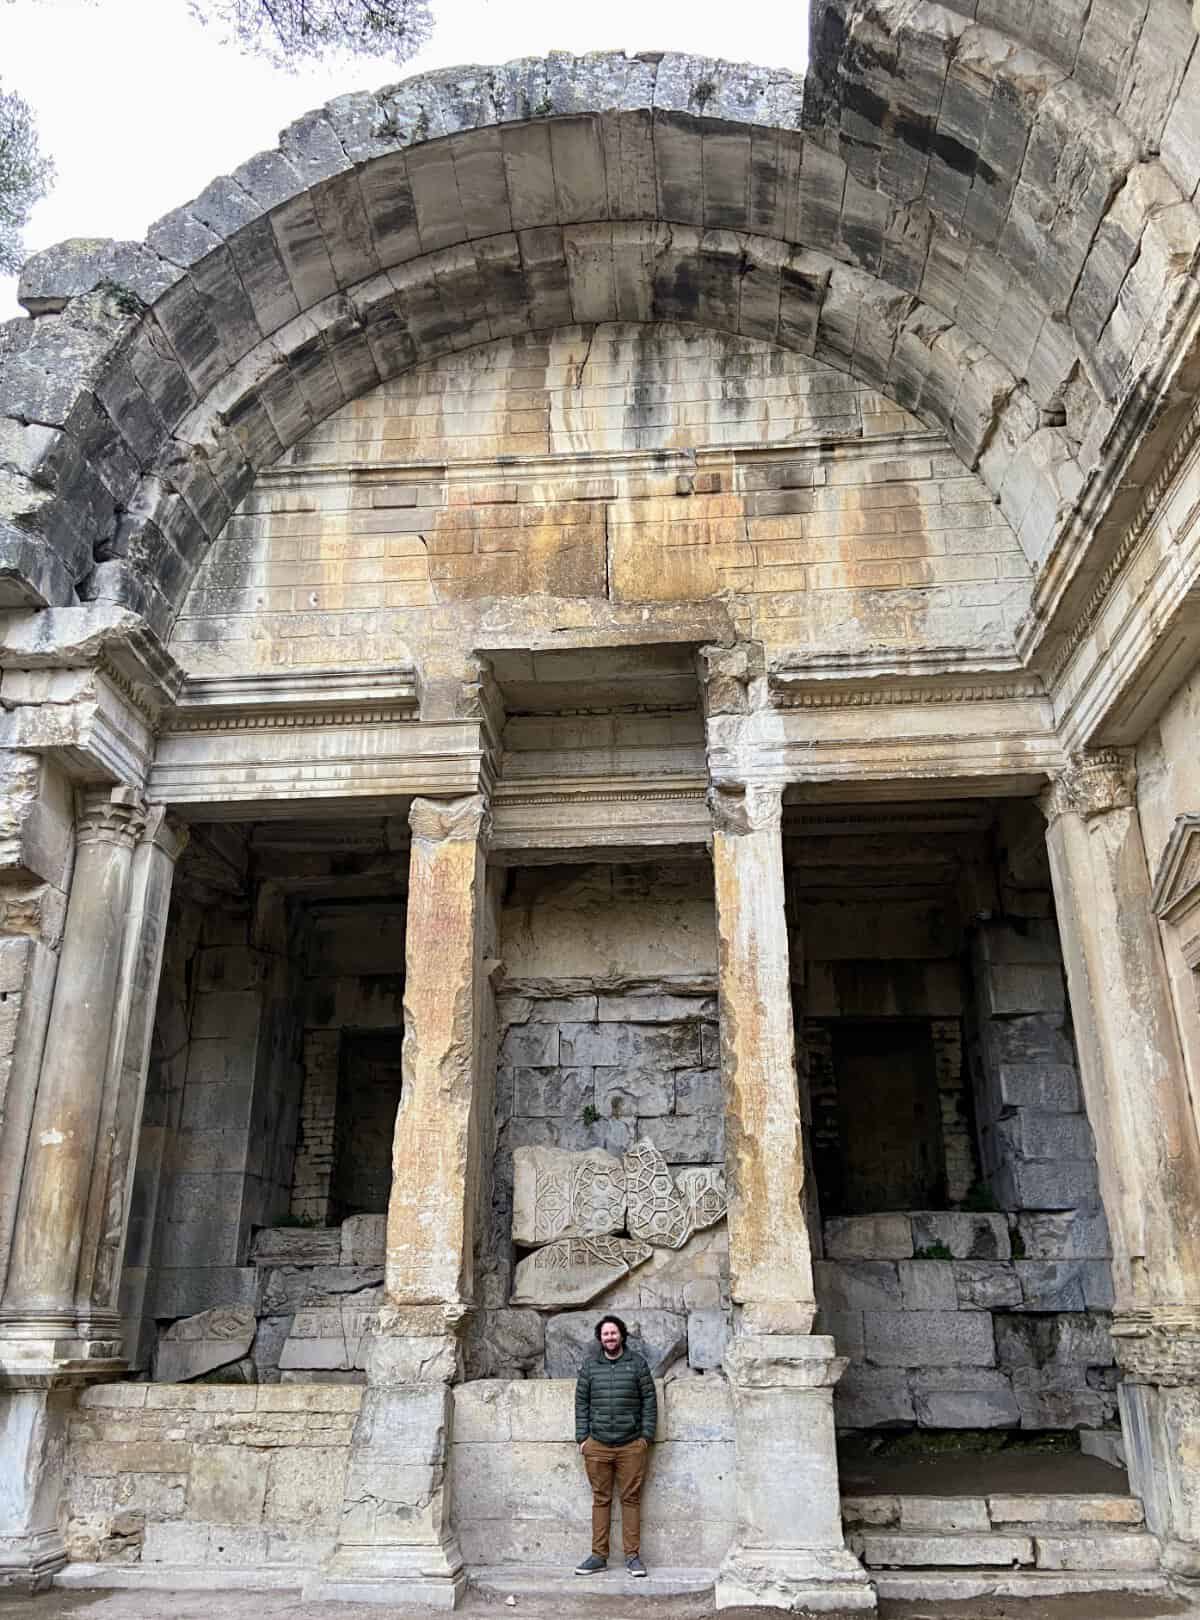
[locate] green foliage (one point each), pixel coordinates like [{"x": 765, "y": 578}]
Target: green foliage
[
  {"x": 1018, "y": 1243},
  {"x": 25, "y": 175},
  {"x": 980, "y": 1199},
  {"x": 590, "y": 1115},
  {"x": 289, "y": 32},
  {"x": 933, "y": 1251}
]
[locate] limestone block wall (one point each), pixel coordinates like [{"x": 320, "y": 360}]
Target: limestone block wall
[
  {"x": 956, "y": 1320},
  {"x": 609, "y": 1036},
  {"x": 207, "y": 1474},
  {"x": 521, "y": 1496},
  {"x": 659, "y": 465}
]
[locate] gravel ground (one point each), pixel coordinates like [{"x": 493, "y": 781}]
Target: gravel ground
[{"x": 289, "y": 1606}]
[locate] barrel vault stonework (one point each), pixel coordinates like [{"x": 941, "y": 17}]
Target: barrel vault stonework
[{"x": 622, "y": 617}]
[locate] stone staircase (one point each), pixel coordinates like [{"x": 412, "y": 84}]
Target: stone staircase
[{"x": 1002, "y": 1545}]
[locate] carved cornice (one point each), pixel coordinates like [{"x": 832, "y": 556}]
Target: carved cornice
[
  {"x": 464, "y": 820},
  {"x": 1139, "y": 528},
  {"x": 1093, "y": 784},
  {"x": 896, "y": 696},
  {"x": 293, "y": 719},
  {"x": 741, "y": 808},
  {"x": 1178, "y": 879}
]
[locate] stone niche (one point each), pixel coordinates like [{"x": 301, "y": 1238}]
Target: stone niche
[{"x": 608, "y": 1185}]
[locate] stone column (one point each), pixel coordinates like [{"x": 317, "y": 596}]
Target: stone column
[
  {"x": 396, "y": 1544},
  {"x": 1147, "y": 1144},
  {"x": 788, "y": 1549},
  {"x": 43, "y": 1321}
]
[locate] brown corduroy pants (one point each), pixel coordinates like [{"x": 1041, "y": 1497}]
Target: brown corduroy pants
[{"x": 626, "y": 1467}]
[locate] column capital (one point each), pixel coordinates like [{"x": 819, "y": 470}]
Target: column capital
[
  {"x": 739, "y": 808},
  {"x": 1159, "y": 1346},
  {"x": 166, "y": 832},
  {"x": 1093, "y": 784},
  {"x": 463, "y": 820},
  {"x": 110, "y": 816}
]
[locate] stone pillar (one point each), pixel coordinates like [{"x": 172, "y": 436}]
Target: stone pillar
[
  {"x": 788, "y": 1550},
  {"x": 44, "y": 1322},
  {"x": 1148, "y": 1147},
  {"x": 396, "y": 1544}
]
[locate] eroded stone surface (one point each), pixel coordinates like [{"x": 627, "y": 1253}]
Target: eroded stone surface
[
  {"x": 659, "y": 1212},
  {"x": 200, "y": 1344},
  {"x": 563, "y": 1194},
  {"x": 572, "y": 1271}
]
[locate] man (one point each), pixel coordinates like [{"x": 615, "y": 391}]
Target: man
[{"x": 616, "y": 1414}]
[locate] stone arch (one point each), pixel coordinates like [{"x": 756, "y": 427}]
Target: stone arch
[{"x": 155, "y": 378}]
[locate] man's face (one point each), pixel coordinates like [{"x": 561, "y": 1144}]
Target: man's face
[{"x": 610, "y": 1338}]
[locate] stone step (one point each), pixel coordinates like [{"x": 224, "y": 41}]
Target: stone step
[
  {"x": 181, "y": 1577},
  {"x": 561, "y": 1591},
  {"x": 969, "y": 1585},
  {"x": 1117, "y": 1551},
  {"x": 1004, "y": 1511}
]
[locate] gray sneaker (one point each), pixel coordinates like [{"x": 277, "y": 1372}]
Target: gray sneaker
[
  {"x": 634, "y": 1565},
  {"x": 592, "y": 1565}
]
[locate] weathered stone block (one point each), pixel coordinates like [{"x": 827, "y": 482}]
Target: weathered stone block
[
  {"x": 929, "y": 1338},
  {"x": 856, "y": 1285},
  {"x": 708, "y": 1334},
  {"x": 544, "y": 1408},
  {"x": 654, "y": 1008},
  {"x": 1128, "y": 1551},
  {"x": 228, "y": 1485},
  {"x": 698, "y": 1091},
  {"x": 560, "y": 1194},
  {"x": 967, "y": 1236},
  {"x": 505, "y": 1344},
  {"x": 963, "y": 1398},
  {"x": 571, "y": 1271},
  {"x": 1066, "y": 1510},
  {"x": 200, "y": 1344},
  {"x": 364, "y": 1240},
  {"x": 1050, "y": 1285},
  {"x": 1064, "y": 1184},
  {"x": 986, "y": 1285},
  {"x": 702, "y": 1188},
  {"x": 697, "y": 1409},
  {"x": 879, "y": 1550},
  {"x": 927, "y": 1285},
  {"x": 660, "y": 1336},
  {"x": 946, "y": 1514},
  {"x": 869, "y": 1237},
  {"x": 687, "y": 1139},
  {"x": 631, "y": 1046},
  {"x": 634, "y": 1094},
  {"x": 658, "y": 1213},
  {"x": 533, "y": 1046},
  {"x": 1071, "y": 1235},
  {"x": 872, "y": 1398},
  {"x": 334, "y": 1339},
  {"x": 550, "y": 1093},
  {"x": 286, "y": 1289},
  {"x": 298, "y": 1246},
  {"x": 304, "y": 1487},
  {"x": 1051, "y": 1087}
]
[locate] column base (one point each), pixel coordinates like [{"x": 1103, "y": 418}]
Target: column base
[
  {"x": 30, "y": 1563},
  {"x": 430, "y": 1576},
  {"x": 821, "y": 1581}
]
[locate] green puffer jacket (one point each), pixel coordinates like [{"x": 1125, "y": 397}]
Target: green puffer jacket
[{"x": 615, "y": 1400}]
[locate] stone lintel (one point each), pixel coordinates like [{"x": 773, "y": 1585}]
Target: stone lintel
[
  {"x": 1159, "y": 1346},
  {"x": 560, "y": 818},
  {"x": 316, "y": 757}
]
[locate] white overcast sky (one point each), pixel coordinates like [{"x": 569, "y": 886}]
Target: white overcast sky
[{"x": 140, "y": 106}]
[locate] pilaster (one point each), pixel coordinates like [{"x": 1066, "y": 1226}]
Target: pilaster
[
  {"x": 396, "y": 1544},
  {"x": 1147, "y": 1144},
  {"x": 788, "y": 1550},
  {"x": 46, "y": 1329}
]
